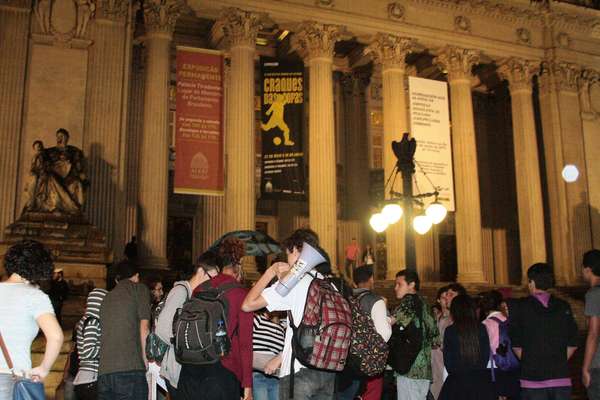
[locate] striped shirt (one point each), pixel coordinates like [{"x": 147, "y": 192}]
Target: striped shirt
[
  {"x": 268, "y": 336},
  {"x": 88, "y": 332}
]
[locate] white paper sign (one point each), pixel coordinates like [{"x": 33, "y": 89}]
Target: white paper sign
[{"x": 430, "y": 125}]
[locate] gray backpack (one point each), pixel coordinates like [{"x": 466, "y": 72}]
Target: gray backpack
[{"x": 196, "y": 323}]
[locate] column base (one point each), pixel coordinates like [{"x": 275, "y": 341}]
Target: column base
[
  {"x": 471, "y": 277},
  {"x": 160, "y": 263}
]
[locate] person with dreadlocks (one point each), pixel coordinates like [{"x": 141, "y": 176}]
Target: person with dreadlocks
[{"x": 466, "y": 355}]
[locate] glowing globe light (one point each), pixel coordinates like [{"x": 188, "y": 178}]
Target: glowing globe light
[
  {"x": 436, "y": 212},
  {"x": 570, "y": 173},
  {"x": 392, "y": 213},
  {"x": 378, "y": 223},
  {"x": 422, "y": 224}
]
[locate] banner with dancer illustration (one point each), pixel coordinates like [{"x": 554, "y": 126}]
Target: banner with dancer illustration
[
  {"x": 199, "y": 122},
  {"x": 282, "y": 110}
]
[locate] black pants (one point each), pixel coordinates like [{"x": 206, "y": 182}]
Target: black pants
[
  {"x": 87, "y": 391},
  {"x": 207, "y": 382},
  {"x": 123, "y": 386},
  {"x": 562, "y": 393}
]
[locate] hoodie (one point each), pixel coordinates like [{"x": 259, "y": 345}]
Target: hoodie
[
  {"x": 88, "y": 332},
  {"x": 239, "y": 329}
]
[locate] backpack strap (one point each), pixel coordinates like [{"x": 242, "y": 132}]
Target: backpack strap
[{"x": 497, "y": 320}]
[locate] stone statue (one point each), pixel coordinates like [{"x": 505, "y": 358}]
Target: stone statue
[
  {"x": 85, "y": 11},
  {"x": 58, "y": 178}
]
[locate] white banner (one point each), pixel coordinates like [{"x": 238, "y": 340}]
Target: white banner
[{"x": 430, "y": 124}]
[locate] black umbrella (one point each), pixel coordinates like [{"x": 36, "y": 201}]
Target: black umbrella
[{"x": 257, "y": 243}]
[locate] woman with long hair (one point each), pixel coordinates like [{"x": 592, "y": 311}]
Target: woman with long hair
[
  {"x": 466, "y": 355},
  {"x": 24, "y": 310}
]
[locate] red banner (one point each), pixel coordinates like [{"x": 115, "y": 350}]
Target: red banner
[{"x": 199, "y": 122}]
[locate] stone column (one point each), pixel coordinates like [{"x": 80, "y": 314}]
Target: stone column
[
  {"x": 564, "y": 144},
  {"x": 240, "y": 28},
  {"x": 315, "y": 42},
  {"x": 390, "y": 51},
  {"x": 104, "y": 115},
  {"x": 519, "y": 74},
  {"x": 457, "y": 63},
  {"x": 135, "y": 126},
  {"x": 160, "y": 21},
  {"x": 591, "y": 133},
  {"x": 14, "y": 31}
]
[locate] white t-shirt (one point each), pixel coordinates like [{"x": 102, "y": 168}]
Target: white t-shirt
[
  {"x": 294, "y": 302},
  {"x": 20, "y": 305}
]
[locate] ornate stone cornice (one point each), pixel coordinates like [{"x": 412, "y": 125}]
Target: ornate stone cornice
[
  {"x": 559, "y": 75},
  {"x": 390, "y": 51},
  {"x": 240, "y": 27},
  {"x": 316, "y": 40},
  {"x": 160, "y": 16},
  {"x": 457, "y": 62},
  {"x": 588, "y": 78},
  {"x": 114, "y": 10},
  {"x": 23, "y": 5},
  {"x": 518, "y": 72}
]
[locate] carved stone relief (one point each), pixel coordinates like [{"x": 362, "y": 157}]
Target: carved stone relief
[
  {"x": 396, "y": 11},
  {"x": 64, "y": 20},
  {"x": 523, "y": 35},
  {"x": 462, "y": 24}
]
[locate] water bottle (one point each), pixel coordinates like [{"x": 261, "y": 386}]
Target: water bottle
[{"x": 221, "y": 340}]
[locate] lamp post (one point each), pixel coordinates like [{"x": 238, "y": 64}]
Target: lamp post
[{"x": 392, "y": 212}]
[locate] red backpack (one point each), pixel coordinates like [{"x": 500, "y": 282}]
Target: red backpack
[{"x": 322, "y": 339}]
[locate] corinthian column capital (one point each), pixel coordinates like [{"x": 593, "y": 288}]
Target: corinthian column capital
[
  {"x": 518, "y": 72},
  {"x": 114, "y": 10},
  {"x": 562, "y": 76},
  {"x": 457, "y": 62},
  {"x": 390, "y": 50},
  {"x": 588, "y": 78},
  {"x": 240, "y": 27},
  {"x": 316, "y": 40},
  {"x": 160, "y": 16}
]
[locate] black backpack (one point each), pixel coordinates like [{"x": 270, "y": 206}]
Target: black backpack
[
  {"x": 195, "y": 325},
  {"x": 406, "y": 343}
]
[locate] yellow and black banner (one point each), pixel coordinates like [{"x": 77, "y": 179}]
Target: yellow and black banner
[{"x": 282, "y": 110}]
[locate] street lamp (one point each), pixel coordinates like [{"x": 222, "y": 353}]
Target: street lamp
[{"x": 402, "y": 204}]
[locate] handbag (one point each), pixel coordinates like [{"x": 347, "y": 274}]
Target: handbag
[{"x": 24, "y": 389}]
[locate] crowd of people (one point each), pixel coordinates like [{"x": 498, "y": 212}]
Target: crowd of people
[{"x": 212, "y": 337}]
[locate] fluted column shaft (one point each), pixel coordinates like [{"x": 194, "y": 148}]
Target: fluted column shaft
[
  {"x": 213, "y": 220},
  {"x": 529, "y": 190},
  {"x": 315, "y": 42},
  {"x": 469, "y": 243},
  {"x": 391, "y": 52},
  {"x": 14, "y": 32},
  {"x": 154, "y": 154},
  {"x": 240, "y": 201},
  {"x": 564, "y": 144},
  {"x": 102, "y": 139}
]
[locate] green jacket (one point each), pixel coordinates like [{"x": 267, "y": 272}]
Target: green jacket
[{"x": 407, "y": 312}]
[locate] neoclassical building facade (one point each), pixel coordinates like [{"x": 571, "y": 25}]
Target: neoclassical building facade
[{"x": 524, "y": 90}]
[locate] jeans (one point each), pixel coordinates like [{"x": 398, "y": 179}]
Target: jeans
[
  {"x": 561, "y": 393},
  {"x": 412, "y": 389},
  {"x": 264, "y": 387},
  {"x": 6, "y": 387},
  {"x": 593, "y": 391},
  {"x": 207, "y": 382},
  {"x": 350, "y": 392},
  {"x": 309, "y": 384},
  {"x": 87, "y": 391},
  {"x": 123, "y": 386}
]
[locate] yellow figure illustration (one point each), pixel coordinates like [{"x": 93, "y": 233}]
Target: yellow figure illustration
[{"x": 276, "y": 120}]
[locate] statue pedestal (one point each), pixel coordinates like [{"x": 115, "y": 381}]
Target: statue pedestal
[{"x": 78, "y": 247}]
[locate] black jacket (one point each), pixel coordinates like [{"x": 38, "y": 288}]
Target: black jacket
[{"x": 544, "y": 335}]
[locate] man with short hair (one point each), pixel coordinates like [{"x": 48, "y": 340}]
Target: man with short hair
[
  {"x": 544, "y": 336},
  {"x": 308, "y": 383},
  {"x": 590, "y": 371},
  {"x": 413, "y": 309},
  {"x": 125, "y": 321},
  {"x": 373, "y": 305}
]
